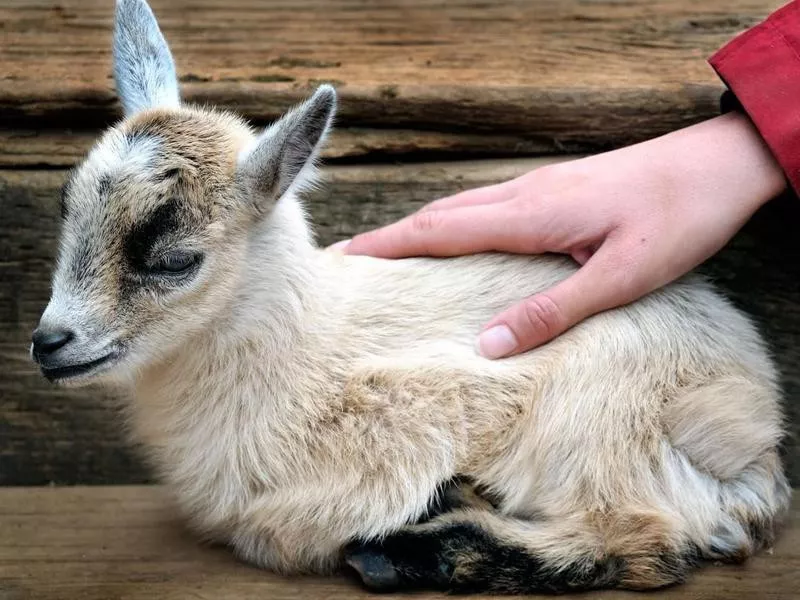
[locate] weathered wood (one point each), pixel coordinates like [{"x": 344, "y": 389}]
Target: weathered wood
[
  {"x": 574, "y": 74},
  {"x": 64, "y": 147},
  {"x": 126, "y": 543},
  {"x": 71, "y": 436}
]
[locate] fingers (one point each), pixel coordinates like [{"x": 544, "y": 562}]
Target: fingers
[
  {"x": 542, "y": 317},
  {"x": 581, "y": 255},
  {"x": 453, "y": 232},
  {"x": 416, "y": 233}
]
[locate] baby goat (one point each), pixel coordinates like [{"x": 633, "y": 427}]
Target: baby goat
[{"x": 313, "y": 409}]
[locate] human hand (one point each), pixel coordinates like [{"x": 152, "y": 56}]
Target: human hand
[{"x": 635, "y": 219}]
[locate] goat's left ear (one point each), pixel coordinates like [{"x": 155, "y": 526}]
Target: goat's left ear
[
  {"x": 143, "y": 67},
  {"x": 276, "y": 160}
]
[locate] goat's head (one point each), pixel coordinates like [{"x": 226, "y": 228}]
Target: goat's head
[{"x": 157, "y": 217}]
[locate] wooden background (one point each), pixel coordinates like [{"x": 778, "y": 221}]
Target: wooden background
[{"x": 435, "y": 97}]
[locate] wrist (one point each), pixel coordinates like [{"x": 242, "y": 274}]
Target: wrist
[{"x": 724, "y": 159}]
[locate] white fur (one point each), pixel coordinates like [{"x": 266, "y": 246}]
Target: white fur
[{"x": 583, "y": 424}]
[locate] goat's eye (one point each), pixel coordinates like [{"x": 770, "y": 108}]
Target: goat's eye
[{"x": 176, "y": 263}]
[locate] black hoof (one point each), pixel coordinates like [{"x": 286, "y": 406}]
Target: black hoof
[
  {"x": 375, "y": 569},
  {"x": 403, "y": 561}
]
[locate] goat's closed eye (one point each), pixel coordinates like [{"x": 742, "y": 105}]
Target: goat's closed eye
[{"x": 177, "y": 262}]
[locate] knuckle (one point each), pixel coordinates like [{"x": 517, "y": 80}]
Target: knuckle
[
  {"x": 426, "y": 221},
  {"x": 542, "y": 316}
]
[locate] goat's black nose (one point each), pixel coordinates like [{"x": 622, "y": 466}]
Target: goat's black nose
[{"x": 47, "y": 341}]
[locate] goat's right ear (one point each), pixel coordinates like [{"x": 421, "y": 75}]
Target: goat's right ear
[
  {"x": 284, "y": 154},
  {"x": 143, "y": 67}
]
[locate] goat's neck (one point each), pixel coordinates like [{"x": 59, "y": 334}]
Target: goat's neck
[
  {"x": 257, "y": 357},
  {"x": 281, "y": 288}
]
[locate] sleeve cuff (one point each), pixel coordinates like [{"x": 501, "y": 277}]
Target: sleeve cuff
[{"x": 761, "y": 67}]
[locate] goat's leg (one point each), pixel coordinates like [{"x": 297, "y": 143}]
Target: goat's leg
[
  {"x": 459, "y": 493},
  {"x": 481, "y": 551}
]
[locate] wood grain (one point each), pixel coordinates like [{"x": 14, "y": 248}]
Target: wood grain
[
  {"x": 45, "y": 148},
  {"x": 73, "y": 436},
  {"x": 125, "y": 543},
  {"x": 577, "y": 74}
]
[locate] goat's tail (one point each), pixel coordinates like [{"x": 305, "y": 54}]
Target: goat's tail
[
  {"x": 721, "y": 469},
  {"x": 749, "y": 510}
]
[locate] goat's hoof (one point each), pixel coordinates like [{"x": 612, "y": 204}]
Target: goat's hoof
[{"x": 375, "y": 569}]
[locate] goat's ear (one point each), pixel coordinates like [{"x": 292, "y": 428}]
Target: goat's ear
[
  {"x": 277, "y": 159},
  {"x": 143, "y": 68}
]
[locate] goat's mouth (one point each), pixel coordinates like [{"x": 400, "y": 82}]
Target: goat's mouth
[{"x": 75, "y": 371}]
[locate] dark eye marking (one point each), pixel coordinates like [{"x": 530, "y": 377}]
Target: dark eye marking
[{"x": 142, "y": 237}]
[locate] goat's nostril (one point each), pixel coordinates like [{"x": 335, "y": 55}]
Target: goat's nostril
[{"x": 47, "y": 341}]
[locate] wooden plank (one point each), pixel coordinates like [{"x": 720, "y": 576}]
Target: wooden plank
[
  {"x": 570, "y": 73},
  {"x": 72, "y": 436},
  {"x": 99, "y": 543},
  {"x": 53, "y": 147}
]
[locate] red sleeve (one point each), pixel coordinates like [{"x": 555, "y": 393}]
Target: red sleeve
[{"x": 762, "y": 68}]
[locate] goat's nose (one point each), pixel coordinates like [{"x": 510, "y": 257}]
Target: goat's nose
[{"x": 47, "y": 341}]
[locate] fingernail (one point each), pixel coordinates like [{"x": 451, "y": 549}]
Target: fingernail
[
  {"x": 496, "y": 342},
  {"x": 339, "y": 246}
]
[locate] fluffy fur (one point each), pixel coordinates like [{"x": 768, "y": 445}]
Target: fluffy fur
[{"x": 310, "y": 408}]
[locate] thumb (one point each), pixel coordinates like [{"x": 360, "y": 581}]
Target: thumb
[{"x": 541, "y": 317}]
